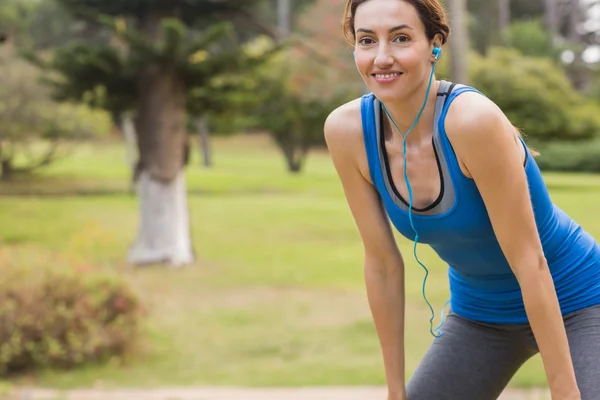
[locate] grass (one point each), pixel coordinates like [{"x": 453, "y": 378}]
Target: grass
[{"x": 276, "y": 296}]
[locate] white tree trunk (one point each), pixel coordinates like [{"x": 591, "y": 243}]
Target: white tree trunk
[
  {"x": 164, "y": 229},
  {"x": 128, "y": 130}
]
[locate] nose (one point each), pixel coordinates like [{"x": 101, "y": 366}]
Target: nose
[{"x": 384, "y": 58}]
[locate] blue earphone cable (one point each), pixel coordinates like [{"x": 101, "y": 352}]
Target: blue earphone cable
[{"x": 436, "y": 332}]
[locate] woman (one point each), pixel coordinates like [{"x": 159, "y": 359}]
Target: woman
[{"x": 444, "y": 163}]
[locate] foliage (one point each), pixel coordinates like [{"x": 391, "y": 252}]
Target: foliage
[
  {"x": 108, "y": 75},
  {"x": 27, "y": 114},
  {"x": 14, "y": 17},
  {"x": 40, "y": 25},
  {"x": 190, "y": 12},
  {"x": 321, "y": 64},
  {"x": 291, "y": 102},
  {"x": 531, "y": 39},
  {"x": 295, "y": 122},
  {"x": 296, "y": 90},
  {"x": 536, "y": 96},
  {"x": 583, "y": 156},
  {"x": 51, "y": 319}
]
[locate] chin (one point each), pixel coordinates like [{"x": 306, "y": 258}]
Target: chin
[{"x": 386, "y": 95}]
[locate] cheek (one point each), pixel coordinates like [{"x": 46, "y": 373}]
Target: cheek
[
  {"x": 363, "y": 64},
  {"x": 410, "y": 59}
]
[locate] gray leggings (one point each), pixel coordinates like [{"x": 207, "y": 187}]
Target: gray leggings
[{"x": 475, "y": 361}]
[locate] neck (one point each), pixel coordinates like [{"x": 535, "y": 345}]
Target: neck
[{"x": 405, "y": 112}]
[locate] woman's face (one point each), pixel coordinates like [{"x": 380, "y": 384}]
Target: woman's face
[{"x": 393, "y": 54}]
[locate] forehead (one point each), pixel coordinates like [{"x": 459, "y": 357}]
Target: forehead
[{"x": 385, "y": 14}]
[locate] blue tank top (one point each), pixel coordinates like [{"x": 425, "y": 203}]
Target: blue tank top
[{"x": 457, "y": 227}]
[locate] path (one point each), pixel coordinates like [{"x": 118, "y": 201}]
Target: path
[{"x": 357, "y": 393}]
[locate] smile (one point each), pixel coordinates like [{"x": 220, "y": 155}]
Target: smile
[{"x": 387, "y": 76}]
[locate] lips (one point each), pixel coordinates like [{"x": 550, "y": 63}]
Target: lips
[{"x": 387, "y": 77}]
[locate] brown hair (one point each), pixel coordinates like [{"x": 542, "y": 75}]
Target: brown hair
[{"x": 431, "y": 12}]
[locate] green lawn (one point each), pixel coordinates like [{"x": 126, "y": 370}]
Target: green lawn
[{"x": 276, "y": 296}]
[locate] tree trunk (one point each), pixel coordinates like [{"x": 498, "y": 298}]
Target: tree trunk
[
  {"x": 551, "y": 17},
  {"x": 164, "y": 234},
  {"x": 487, "y": 16},
  {"x": 503, "y": 19},
  {"x": 284, "y": 18},
  {"x": 204, "y": 136},
  {"x": 574, "y": 19},
  {"x": 6, "y": 169},
  {"x": 128, "y": 132},
  {"x": 459, "y": 43},
  {"x": 293, "y": 151},
  {"x": 579, "y": 73}
]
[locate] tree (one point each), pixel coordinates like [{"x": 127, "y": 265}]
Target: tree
[
  {"x": 293, "y": 118},
  {"x": 459, "y": 45},
  {"x": 313, "y": 75},
  {"x": 536, "y": 96},
  {"x": 168, "y": 48},
  {"x": 32, "y": 126},
  {"x": 551, "y": 16},
  {"x": 13, "y": 18},
  {"x": 503, "y": 18},
  {"x": 489, "y": 20},
  {"x": 531, "y": 38}
]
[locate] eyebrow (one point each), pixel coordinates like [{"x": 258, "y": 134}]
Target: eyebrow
[{"x": 396, "y": 28}]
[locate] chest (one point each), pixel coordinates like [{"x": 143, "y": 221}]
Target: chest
[{"x": 415, "y": 174}]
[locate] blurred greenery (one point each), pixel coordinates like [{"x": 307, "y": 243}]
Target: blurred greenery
[
  {"x": 535, "y": 95},
  {"x": 531, "y": 38},
  {"x": 29, "y": 118},
  {"x": 277, "y": 294},
  {"x": 581, "y": 156}
]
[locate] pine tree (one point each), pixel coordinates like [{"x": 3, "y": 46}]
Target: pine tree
[{"x": 160, "y": 55}]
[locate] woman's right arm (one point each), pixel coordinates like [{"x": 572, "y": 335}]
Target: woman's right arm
[{"x": 383, "y": 265}]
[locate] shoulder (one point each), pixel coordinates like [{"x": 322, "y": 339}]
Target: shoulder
[
  {"x": 480, "y": 132},
  {"x": 475, "y": 123},
  {"x": 344, "y": 122},
  {"x": 473, "y": 116},
  {"x": 344, "y": 136}
]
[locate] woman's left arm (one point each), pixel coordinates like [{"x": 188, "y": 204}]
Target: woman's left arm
[{"x": 486, "y": 143}]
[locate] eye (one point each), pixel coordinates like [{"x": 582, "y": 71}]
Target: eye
[
  {"x": 366, "y": 41},
  {"x": 401, "y": 38}
]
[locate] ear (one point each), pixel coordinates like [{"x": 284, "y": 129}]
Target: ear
[{"x": 436, "y": 48}]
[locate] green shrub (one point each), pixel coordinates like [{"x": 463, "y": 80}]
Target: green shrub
[
  {"x": 536, "y": 95},
  {"x": 582, "y": 156},
  {"x": 532, "y": 39},
  {"x": 60, "y": 320}
]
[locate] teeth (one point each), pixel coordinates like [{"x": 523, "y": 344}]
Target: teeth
[{"x": 387, "y": 76}]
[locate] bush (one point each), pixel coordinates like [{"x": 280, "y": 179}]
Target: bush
[
  {"x": 61, "y": 320},
  {"x": 536, "y": 96},
  {"x": 581, "y": 156},
  {"x": 532, "y": 39}
]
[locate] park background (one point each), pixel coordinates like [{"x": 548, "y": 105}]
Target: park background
[{"x": 169, "y": 215}]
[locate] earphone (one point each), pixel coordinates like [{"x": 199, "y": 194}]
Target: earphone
[{"x": 437, "y": 51}]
